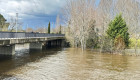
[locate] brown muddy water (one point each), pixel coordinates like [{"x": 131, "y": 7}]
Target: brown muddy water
[{"x": 69, "y": 64}]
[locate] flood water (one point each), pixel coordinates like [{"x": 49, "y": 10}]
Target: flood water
[{"x": 69, "y": 64}]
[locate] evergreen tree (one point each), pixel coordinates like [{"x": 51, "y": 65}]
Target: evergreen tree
[
  {"x": 49, "y": 28},
  {"x": 118, "y": 28}
]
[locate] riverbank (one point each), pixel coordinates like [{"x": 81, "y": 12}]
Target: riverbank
[
  {"x": 132, "y": 52},
  {"x": 128, "y": 52}
]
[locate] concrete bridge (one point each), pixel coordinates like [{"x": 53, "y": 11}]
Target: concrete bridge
[{"x": 8, "y": 41}]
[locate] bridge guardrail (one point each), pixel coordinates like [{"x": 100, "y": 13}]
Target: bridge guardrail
[{"x": 26, "y": 35}]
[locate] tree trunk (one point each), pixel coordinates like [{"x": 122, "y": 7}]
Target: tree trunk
[{"x": 136, "y": 46}]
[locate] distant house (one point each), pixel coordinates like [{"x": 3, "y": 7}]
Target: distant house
[{"x": 3, "y": 24}]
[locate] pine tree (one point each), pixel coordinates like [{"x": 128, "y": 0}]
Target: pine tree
[
  {"x": 118, "y": 28},
  {"x": 49, "y": 28}
]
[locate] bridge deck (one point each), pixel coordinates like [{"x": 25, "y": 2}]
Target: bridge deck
[{"x": 8, "y": 38}]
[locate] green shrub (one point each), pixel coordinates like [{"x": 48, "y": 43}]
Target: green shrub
[{"x": 133, "y": 42}]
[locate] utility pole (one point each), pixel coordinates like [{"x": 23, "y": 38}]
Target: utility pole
[{"x": 16, "y": 21}]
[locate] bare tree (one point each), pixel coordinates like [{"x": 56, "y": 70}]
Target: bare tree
[
  {"x": 41, "y": 29},
  {"x": 12, "y": 24},
  {"x": 57, "y": 25},
  {"x": 29, "y": 30},
  {"x": 79, "y": 14},
  {"x": 57, "y": 21},
  {"x": 136, "y": 18},
  {"x": 105, "y": 14}
]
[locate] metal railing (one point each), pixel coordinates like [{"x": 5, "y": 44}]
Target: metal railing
[{"x": 27, "y": 35}]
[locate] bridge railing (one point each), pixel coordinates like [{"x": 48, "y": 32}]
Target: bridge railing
[{"x": 27, "y": 35}]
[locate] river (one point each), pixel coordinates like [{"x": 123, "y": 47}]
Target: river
[{"x": 69, "y": 64}]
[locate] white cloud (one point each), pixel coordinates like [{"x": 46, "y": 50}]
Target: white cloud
[{"x": 30, "y": 8}]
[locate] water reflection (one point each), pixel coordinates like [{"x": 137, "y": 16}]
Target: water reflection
[
  {"x": 70, "y": 64},
  {"x": 21, "y": 58}
]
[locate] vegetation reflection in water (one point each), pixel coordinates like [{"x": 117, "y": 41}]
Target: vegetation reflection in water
[{"x": 70, "y": 64}]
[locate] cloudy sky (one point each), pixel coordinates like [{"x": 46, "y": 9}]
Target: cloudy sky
[{"x": 32, "y": 12}]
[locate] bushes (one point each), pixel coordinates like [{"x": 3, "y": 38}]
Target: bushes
[
  {"x": 92, "y": 43},
  {"x": 133, "y": 42}
]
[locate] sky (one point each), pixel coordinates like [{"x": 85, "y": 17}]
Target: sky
[{"x": 32, "y": 13}]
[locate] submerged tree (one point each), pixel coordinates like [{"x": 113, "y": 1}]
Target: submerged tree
[
  {"x": 78, "y": 15},
  {"x": 118, "y": 32},
  {"x": 49, "y": 28}
]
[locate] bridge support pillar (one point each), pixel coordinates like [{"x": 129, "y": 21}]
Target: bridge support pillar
[
  {"x": 7, "y": 50},
  {"x": 23, "y": 46},
  {"x": 35, "y": 45},
  {"x": 59, "y": 43},
  {"x": 62, "y": 43}
]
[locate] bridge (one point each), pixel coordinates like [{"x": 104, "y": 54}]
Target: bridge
[{"x": 9, "y": 40}]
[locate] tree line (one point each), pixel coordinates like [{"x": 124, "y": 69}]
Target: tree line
[
  {"x": 48, "y": 29},
  {"x": 107, "y": 25},
  {"x": 11, "y": 26}
]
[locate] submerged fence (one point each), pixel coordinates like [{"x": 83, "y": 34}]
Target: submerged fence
[{"x": 27, "y": 35}]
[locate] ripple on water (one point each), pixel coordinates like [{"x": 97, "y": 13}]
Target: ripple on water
[{"x": 71, "y": 64}]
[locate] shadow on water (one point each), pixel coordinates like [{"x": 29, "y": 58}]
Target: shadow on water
[
  {"x": 8, "y": 77},
  {"x": 23, "y": 57}
]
